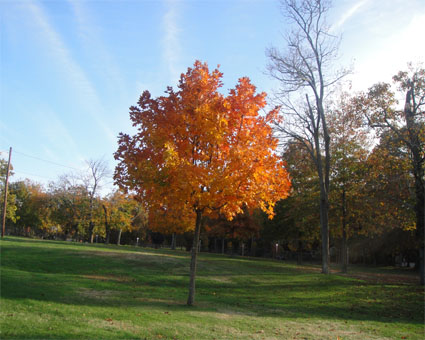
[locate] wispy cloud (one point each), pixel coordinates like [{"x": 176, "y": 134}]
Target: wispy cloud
[
  {"x": 171, "y": 47},
  {"x": 91, "y": 37},
  {"x": 70, "y": 67},
  {"x": 55, "y": 132},
  {"x": 348, "y": 14}
]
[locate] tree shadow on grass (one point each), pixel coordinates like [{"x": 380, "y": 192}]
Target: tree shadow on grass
[{"x": 74, "y": 277}]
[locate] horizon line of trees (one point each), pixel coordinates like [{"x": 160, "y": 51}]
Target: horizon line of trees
[{"x": 372, "y": 201}]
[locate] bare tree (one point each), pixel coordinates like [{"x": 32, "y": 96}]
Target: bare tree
[
  {"x": 97, "y": 172},
  {"x": 305, "y": 70}
]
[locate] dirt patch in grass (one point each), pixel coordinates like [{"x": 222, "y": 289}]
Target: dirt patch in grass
[
  {"x": 107, "y": 278},
  {"x": 97, "y": 294},
  {"x": 225, "y": 314},
  {"x": 222, "y": 279},
  {"x": 167, "y": 302},
  {"x": 136, "y": 256}
]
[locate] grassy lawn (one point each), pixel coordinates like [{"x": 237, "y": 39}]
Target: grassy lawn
[{"x": 63, "y": 290}]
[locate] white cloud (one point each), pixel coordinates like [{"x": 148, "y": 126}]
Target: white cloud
[
  {"x": 348, "y": 14},
  {"x": 91, "y": 37},
  {"x": 170, "y": 42},
  {"x": 73, "y": 71},
  {"x": 57, "y": 133}
]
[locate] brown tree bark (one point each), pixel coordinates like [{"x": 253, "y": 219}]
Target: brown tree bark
[
  {"x": 418, "y": 173},
  {"x": 191, "y": 297},
  {"x": 107, "y": 226},
  {"x": 344, "y": 257},
  {"x": 173, "y": 241},
  {"x": 119, "y": 238},
  {"x": 300, "y": 253}
]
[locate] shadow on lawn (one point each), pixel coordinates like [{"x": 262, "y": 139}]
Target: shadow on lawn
[{"x": 76, "y": 277}]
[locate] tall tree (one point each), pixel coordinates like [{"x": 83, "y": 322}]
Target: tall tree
[
  {"x": 199, "y": 151},
  {"x": 349, "y": 148},
  {"x": 305, "y": 72},
  {"x": 408, "y": 124},
  {"x": 97, "y": 172}
]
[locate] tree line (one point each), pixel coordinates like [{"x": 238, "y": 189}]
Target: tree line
[
  {"x": 71, "y": 208},
  {"x": 373, "y": 203}
]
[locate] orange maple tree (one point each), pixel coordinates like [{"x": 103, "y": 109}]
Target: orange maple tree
[{"x": 200, "y": 153}]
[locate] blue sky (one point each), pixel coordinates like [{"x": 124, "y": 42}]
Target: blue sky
[{"x": 69, "y": 70}]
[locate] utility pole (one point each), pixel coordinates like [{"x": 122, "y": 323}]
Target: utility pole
[{"x": 5, "y": 194}]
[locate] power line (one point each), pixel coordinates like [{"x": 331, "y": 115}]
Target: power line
[
  {"x": 44, "y": 160},
  {"x": 47, "y": 161},
  {"x": 29, "y": 174}
]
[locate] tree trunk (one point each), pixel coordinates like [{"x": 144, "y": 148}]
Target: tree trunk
[
  {"x": 324, "y": 209},
  {"x": 191, "y": 297},
  {"x": 344, "y": 254},
  {"x": 91, "y": 224},
  {"x": 300, "y": 253},
  {"x": 418, "y": 172},
  {"x": 91, "y": 227},
  {"x": 324, "y": 222},
  {"x": 420, "y": 220},
  {"x": 243, "y": 249},
  {"x": 222, "y": 245},
  {"x": 421, "y": 265},
  {"x": 119, "y": 238},
  {"x": 173, "y": 241},
  {"x": 324, "y": 190},
  {"x": 323, "y": 174},
  {"x": 107, "y": 228}
]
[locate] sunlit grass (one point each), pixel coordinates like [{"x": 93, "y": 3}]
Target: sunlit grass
[{"x": 68, "y": 290}]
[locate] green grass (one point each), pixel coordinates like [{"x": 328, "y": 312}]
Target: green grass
[{"x": 61, "y": 290}]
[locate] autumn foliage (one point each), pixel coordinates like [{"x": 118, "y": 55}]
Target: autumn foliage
[
  {"x": 199, "y": 153},
  {"x": 197, "y": 150}
]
